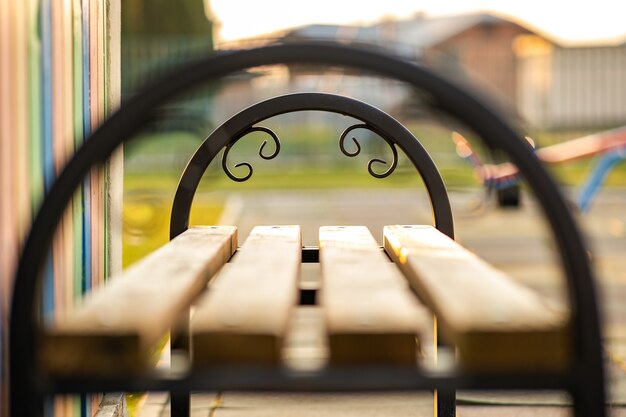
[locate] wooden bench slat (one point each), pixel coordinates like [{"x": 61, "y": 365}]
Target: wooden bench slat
[
  {"x": 370, "y": 312},
  {"x": 495, "y": 322},
  {"x": 117, "y": 327},
  {"x": 244, "y": 316}
]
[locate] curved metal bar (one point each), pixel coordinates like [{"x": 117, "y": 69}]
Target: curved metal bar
[
  {"x": 266, "y": 378},
  {"x": 376, "y": 120},
  {"x": 371, "y": 162},
  {"x": 246, "y": 164},
  {"x": 587, "y": 374}
]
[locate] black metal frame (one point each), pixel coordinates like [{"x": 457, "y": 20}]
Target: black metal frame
[
  {"x": 584, "y": 379},
  {"x": 239, "y": 125}
]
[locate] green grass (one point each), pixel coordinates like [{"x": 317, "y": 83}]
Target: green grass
[
  {"x": 305, "y": 177},
  {"x": 455, "y": 176}
]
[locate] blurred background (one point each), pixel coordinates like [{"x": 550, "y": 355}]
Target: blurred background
[{"x": 556, "y": 71}]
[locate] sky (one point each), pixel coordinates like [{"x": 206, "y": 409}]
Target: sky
[{"x": 568, "y": 21}]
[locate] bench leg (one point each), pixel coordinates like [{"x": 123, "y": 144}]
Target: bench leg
[
  {"x": 446, "y": 403},
  {"x": 445, "y": 400},
  {"x": 589, "y": 401},
  {"x": 24, "y": 399},
  {"x": 31, "y": 406},
  {"x": 180, "y": 404}
]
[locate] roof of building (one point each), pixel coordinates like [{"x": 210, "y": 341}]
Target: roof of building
[{"x": 410, "y": 36}]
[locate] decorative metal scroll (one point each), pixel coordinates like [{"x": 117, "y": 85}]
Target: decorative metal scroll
[
  {"x": 246, "y": 164},
  {"x": 342, "y": 146},
  {"x": 372, "y": 161}
]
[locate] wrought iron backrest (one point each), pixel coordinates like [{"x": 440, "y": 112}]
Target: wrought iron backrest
[{"x": 379, "y": 122}]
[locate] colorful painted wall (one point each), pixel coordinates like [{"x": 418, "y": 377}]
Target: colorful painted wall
[{"x": 59, "y": 78}]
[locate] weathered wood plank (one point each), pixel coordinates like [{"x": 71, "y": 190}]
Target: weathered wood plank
[
  {"x": 244, "y": 316},
  {"x": 117, "y": 328},
  {"x": 495, "y": 322},
  {"x": 370, "y": 312}
]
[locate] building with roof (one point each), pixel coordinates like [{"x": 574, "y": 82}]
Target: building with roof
[
  {"x": 576, "y": 87},
  {"x": 524, "y": 73},
  {"x": 478, "y": 48},
  {"x": 475, "y": 49}
]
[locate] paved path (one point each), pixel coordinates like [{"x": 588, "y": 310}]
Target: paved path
[{"x": 517, "y": 241}]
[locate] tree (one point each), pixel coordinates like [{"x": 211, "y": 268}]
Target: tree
[{"x": 166, "y": 17}]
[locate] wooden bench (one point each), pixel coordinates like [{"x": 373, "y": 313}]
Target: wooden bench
[
  {"x": 367, "y": 314},
  {"x": 371, "y": 308}
]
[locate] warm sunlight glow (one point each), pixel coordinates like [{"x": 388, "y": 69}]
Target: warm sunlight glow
[{"x": 566, "y": 20}]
